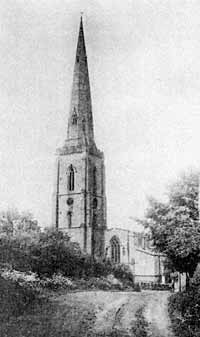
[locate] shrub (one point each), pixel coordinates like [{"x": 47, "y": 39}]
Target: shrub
[
  {"x": 184, "y": 310},
  {"x": 195, "y": 281},
  {"x": 18, "y": 276},
  {"x": 115, "y": 283},
  {"x": 136, "y": 287},
  {"x": 14, "y": 252},
  {"x": 58, "y": 281},
  {"x": 102, "y": 268},
  {"x": 123, "y": 272},
  {"x": 99, "y": 283},
  {"x": 53, "y": 253}
]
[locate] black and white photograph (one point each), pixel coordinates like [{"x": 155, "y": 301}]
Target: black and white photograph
[{"x": 100, "y": 168}]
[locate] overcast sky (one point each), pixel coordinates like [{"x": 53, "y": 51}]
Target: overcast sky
[{"x": 144, "y": 65}]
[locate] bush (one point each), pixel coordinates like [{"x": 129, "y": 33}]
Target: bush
[
  {"x": 99, "y": 283},
  {"x": 195, "y": 281},
  {"x": 115, "y": 283},
  {"x": 137, "y": 287},
  {"x": 184, "y": 310},
  {"x": 57, "y": 282},
  {"x": 14, "y": 252},
  {"x": 53, "y": 253},
  {"x": 18, "y": 276},
  {"x": 124, "y": 274}
]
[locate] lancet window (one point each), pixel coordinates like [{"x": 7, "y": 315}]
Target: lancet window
[
  {"x": 71, "y": 178},
  {"x": 74, "y": 117},
  {"x": 69, "y": 219},
  {"x": 94, "y": 179},
  {"x": 115, "y": 249}
]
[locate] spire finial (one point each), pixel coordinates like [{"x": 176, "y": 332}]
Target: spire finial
[{"x": 81, "y": 20}]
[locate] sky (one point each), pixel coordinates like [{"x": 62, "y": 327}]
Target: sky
[{"x": 144, "y": 66}]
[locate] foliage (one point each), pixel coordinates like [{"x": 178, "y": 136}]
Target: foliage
[
  {"x": 14, "y": 252},
  {"x": 14, "y": 223},
  {"x": 94, "y": 267},
  {"x": 20, "y": 277},
  {"x": 51, "y": 253},
  {"x": 99, "y": 283},
  {"x": 54, "y": 253},
  {"x": 174, "y": 224},
  {"x": 56, "y": 282},
  {"x": 196, "y": 277},
  {"x": 18, "y": 231},
  {"x": 184, "y": 309},
  {"x": 123, "y": 272},
  {"x": 154, "y": 286}
]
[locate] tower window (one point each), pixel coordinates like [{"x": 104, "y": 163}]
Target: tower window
[
  {"x": 74, "y": 117},
  {"x": 95, "y": 202},
  {"x": 94, "y": 222},
  {"x": 69, "y": 219},
  {"x": 71, "y": 178},
  {"x": 115, "y": 249},
  {"x": 83, "y": 124},
  {"x": 74, "y": 120},
  {"x": 94, "y": 179}
]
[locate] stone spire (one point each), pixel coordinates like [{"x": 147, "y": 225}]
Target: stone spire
[{"x": 80, "y": 122}]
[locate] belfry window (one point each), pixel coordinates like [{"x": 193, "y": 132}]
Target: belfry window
[
  {"x": 71, "y": 178},
  {"x": 69, "y": 219},
  {"x": 74, "y": 117},
  {"x": 94, "y": 179},
  {"x": 115, "y": 249},
  {"x": 83, "y": 124}
]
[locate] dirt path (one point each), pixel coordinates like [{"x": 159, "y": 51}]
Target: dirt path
[
  {"x": 103, "y": 313},
  {"x": 156, "y": 314}
]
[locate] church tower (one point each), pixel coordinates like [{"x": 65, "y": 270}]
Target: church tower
[{"x": 79, "y": 201}]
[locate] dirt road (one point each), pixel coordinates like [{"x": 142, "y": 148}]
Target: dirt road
[{"x": 99, "y": 313}]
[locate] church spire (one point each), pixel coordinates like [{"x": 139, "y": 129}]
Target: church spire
[{"x": 80, "y": 122}]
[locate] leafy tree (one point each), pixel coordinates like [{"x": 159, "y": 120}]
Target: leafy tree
[
  {"x": 174, "y": 224},
  {"x": 53, "y": 253},
  {"x": 18, "y": 231},
  {"x": 14, "y": 223}
]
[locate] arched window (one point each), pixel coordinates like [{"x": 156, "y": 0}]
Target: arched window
[
  {"x": 115, "y": 249},
  {"x": 71, "y": 178},
  {"x": 74, "y": 117},
  {"x": 69, "y": 219},
  {"x": 74, "y": 120},
  {"x": 83, "y": 124},
  {"x": 94, "y": 174}
]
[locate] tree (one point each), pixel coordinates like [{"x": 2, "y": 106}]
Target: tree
[
  {"x": 174, "y": 224},
  {"x": 14, "y": 223},
  {"x": 18, "y": 231},
  {"x": 53, "y": 253}
]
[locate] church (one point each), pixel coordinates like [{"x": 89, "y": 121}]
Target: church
[{"x": 79, "y": 198}]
